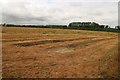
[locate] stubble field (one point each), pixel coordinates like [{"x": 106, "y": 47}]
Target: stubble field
[{"x": 58, "y": 53}]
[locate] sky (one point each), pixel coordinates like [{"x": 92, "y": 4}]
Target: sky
[{"x": 61, "y": 12}]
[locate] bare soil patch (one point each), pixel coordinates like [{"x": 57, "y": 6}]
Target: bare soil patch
[
  {"x": 61, "y": 50},
  {"x": 70, "y": 47},
  {"x": 45, "y": 42}
]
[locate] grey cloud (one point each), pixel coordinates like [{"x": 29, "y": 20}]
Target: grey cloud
[
  {"x": 96, "y": 14},
  {"x": 44, "y": 12},
  {"x": 75, "y": 4},
  {"x": 8, "y": 18}
]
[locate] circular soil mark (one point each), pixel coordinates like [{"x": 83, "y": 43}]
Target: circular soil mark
[{"x": 61, "y": 50}]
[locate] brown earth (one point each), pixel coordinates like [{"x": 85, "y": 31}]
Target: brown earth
[{"x": 58, "y": 53}]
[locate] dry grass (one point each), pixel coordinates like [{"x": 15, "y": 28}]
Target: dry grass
[{"x": 58, "y": 53}]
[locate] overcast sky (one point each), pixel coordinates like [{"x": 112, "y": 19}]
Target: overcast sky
[{"x": 59, "y": 11}]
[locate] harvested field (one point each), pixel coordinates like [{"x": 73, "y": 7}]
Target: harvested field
[{"x": 58, "y": 53}]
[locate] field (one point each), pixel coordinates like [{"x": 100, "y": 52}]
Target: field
[{"x": 58, "y": 53}]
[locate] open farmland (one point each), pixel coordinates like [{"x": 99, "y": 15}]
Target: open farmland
[{"x": 58, "y": 53}]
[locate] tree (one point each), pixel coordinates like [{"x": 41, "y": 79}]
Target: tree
[
  {"x": 102, "y": 26},
  {"x": 4, "y": 24},
  {"x": 117, "y": 27},
  {"x": 106, "y": 26}
]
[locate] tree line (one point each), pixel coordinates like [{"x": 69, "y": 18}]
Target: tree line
[
  {"x": 87, "y": 25},
  {"x": 36, "y": 26},
  {"x": 73, "y": 25},
  {"x": 92, "y": 26}
]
